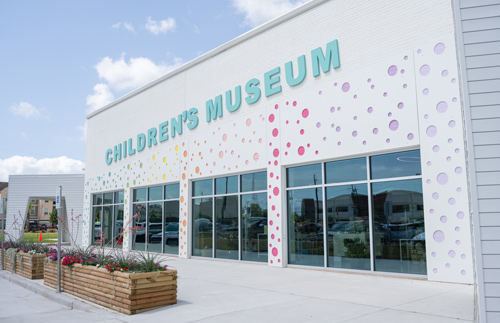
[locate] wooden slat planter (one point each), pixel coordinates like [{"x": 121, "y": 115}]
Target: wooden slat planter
[
  {"x": 123, "y": 292},
  {"x": 25, "y": 264}
]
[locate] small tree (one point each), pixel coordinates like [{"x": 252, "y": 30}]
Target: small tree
[{"x": 53, "y": 217}]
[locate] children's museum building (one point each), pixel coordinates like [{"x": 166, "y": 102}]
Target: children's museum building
[{"x": 345, "y": 135}]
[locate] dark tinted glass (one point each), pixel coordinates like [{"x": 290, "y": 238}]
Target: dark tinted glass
[
  {"x": 140, "y": 195},
  {"x": 226, "y": 185},
  {"x": 202, "y": 227},
  {"x": 155, "y": 193},
  {"x": 226, "y": 239},
  {"x": 345, "y": 171},
  {"x": 304, "y": 176},
  {"x": 202, "y": 188},
  {"x": 172, "y": 191},
  {"x": 119, "y": 197},
  {"x": 108, "y": 198},
  {"x": 97, "y": 200},
  {"x": 254, "y": 182},
  {"x": 396, "y": 165},
  {"x": 254, "y": 227}
]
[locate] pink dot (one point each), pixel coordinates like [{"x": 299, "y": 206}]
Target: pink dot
[
  {"x": 277, "y": 228},
  {"x": 271, "y": 222},
  {"x": 271, "y": 261},
  {"x": 276, "y": 107},
  {"x": 256, "y": 156},
  {"x": 393, "y": 69},
  {"x": 271, "y": 175},
  {"x": 271, "y": 118},
  {"x": 246, "y": 162},
  {"x": 441, "y": 107},
  {"x": 400, "y": 105},
  {"x": 276, "y": 164},
  {"x": 442, "y": 178},
  {"x": 318, "y": 124},
  {"x": 221, "y": 154},
  {"x": 375, "y": 131},
  {"x": 273, "y": 207},
  {"x": 301, "y": 150},
  {"x": 249, "y": 122},
  {"x": 346, "y": 86},
  {"x": 431, "y": 131},
  {"x": 394, "y": 125},
  {"x": 288, "y": 144},
  {"x": 272, "y": 236},
  {"x": 224, "y": 137},
  {"x": 302, "y": 131},
  {"x": 438, "y": 236},
  {"x": 276, "y": 152},
  {"x": 294, "y": 103},
  {"x": 305, "y": 113},
  {"x": 317, "y": 152},
  {"x": 275, "y": 252},
  {"x": 278, "y": 215},
  {"x": 275, "y": 132},
  {"x": 243, "y": 140},
  {"x": 424, "y": 70}
]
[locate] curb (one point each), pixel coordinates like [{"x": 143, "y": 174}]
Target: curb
[{"x": 60, "y": 298}]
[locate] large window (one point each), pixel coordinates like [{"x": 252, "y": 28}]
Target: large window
[
  {"x": 107, "y": 223},
  {"x": 363, "y": 213},
  {"x": 156, "y": 219},
  {"x": 235, "y": 209}
]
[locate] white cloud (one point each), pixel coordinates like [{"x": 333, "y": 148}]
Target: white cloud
[
  {"x": 160, "y": 27},
  {"x": 258, "y": 12},
  {"x": 122, "y": 75},
  {"x": 126, "y": 25},
  {"x": 21, "y": 165},
  {"x": 101, "y": 97},
  {"x": 27, "y": 110}
]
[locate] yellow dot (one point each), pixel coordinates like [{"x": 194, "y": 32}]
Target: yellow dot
[
  {"x": 176, "y": 147},
  {"x": 164, "y": 159},
  {"x": 164, "y": 176},
  {"x": 154, "y": 157}
]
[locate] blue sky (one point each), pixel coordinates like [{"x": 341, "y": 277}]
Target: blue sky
[{"x": 64, "y": 59}]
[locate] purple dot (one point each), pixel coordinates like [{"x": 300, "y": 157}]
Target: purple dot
[
  {"x": 451, "y": 201},
  {"x": 388, "y": 140},
  {"x": 454, "y": 99},
  {"x": 320, "y": 92},
  {"x": 435, "y": 270},
  {"x": 389, "y": 114},
  {"x": 410, "y": 136},
  {"x": 370, "y": 110},
  {"x": 444, "y": 73},
  {"x": 425, "y": 91},
  {"x": 385, "y": 94},
  {"x": 354, "y": 133},
  {"x": 338, "y": 129},
  {"x": 338, "y": 109},
  {"x": 400, "y": 105},
  {"x": 457, "y": 229},
  {"x": 448, "y": 265},
  {"x": 375, "y": 130},
  {"x": 431, "y": 131},
  {"x": 453, "y": 80},
  {"x": 458, "y": 242},
  {"x": 458, "y": 170},
  {"x": 369, "y": 80},
  {"x": 435, "y": 148},
  {"x": 463, "y": 256},
  {"x": 429, "y": 163},
  {"x": 433, "y": 254},
  {"x": 428, "y": 181},
  {"x": 402, "y": 71},
  {"x": 439, "y": 48},
  {"x": 419, "y": 51},
  {"x": 372, "y": 87},
  {"x": 442, "y": 178},
  {"x": 355, "y": 118},
  {"x": 431, "y": 211},
  {"x": 450, "y": 140},
  {"x": 332, "y": 109},
  {"x": 448, "y": 158},
  {"x": 364, "y": 142},
  {"x": 393, "y": 69},
  {"x": 435, "y": 195},
  {"x": 318, "y": 124},
  {"x": 405, "y": 58},
  {"x": 441, "y": 107},
  {"x": 459, "y": 189},
  {"x": 339, "y": 143},
  {"x": 346, "y": 86},
  {"x": 463, "y": 272},
  {"x": 394, "y": 125},
  {"x": 438, "y": 236},
  {"x": 424, "y": 70},
  {"x": 324, "y": 138},
  {"x": 457, "y": 150},
  {"x": 460, "y": 215},
  {"x": 452, "y": 253},
  {"x": 405, "y": 86},
  {"x": 333, "y": 125},
  {"x": 426, "y": 116},
  {"x": 443, "y": 219}
]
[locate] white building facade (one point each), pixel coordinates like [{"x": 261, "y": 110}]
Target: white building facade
[{"x": 331, "y": 137}]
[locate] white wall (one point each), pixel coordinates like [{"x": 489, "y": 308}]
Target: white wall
[{"x": 369, "y": 46}]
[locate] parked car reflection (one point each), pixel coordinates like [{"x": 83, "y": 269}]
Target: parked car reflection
[{"x": 171, "y": 235}]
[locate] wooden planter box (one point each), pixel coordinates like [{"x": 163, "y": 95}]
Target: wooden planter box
[
  {"x": 123, "y": 292},
  {"x": 24, "y": 264}
]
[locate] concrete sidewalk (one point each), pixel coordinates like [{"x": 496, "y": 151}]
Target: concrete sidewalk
[{"x": 220, "y": 291}]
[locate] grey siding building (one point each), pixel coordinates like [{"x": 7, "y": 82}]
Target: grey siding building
[{"x": 478, "y": 39}]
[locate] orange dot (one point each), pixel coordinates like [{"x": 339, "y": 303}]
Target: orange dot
[
  {"x": 185, "y": 214},
  {"x": 185, "y": 184},
  {"x": 185, "y": 153},
  {"x": 182, "y": 199},
  {"x": 180, "y": 229},
  {"x": 199, "y": 154},
  {"x": 184, "y": 232},
  {"x": 183, "y": 144},
  {"x": 197, "y": 170},
  {"x": 182, "y": 247},
  {"x": 183, "y": 176},
  {"x": 184, "y": 223}
]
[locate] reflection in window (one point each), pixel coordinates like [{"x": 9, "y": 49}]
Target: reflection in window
[
  {"x": 202, "y": 227},
  {"x": 305, "y": 227},
  {"x": 254, "y": 227},
  {"x": 348, "y": 226},
  {"x": 396, "y": 165},
  {"x": 106, "y": 225},
  {"x": 399, "y": 227},
  {"x": 304, "y": 176},
  {"x": 226, "y": 215}
]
